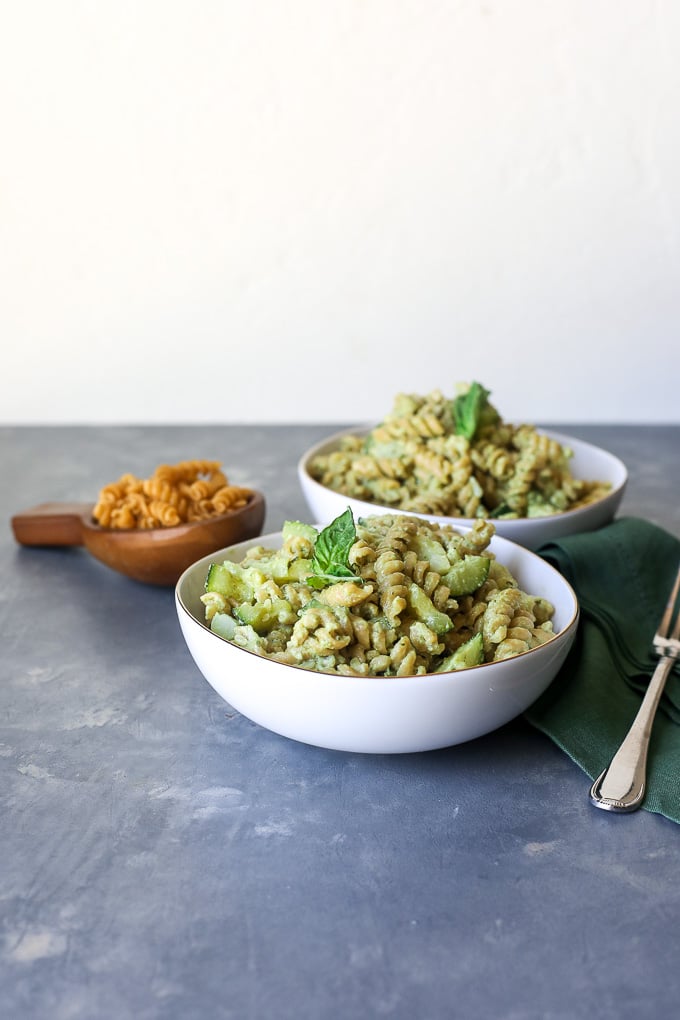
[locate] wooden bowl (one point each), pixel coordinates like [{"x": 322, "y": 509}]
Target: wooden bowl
[{"x": 151, "y": 555}]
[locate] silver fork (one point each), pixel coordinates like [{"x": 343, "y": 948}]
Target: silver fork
[{"x": 621, "y": 787}]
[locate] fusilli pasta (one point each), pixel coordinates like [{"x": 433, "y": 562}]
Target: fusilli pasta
[
  {"x": 191, "y": 490},
  {"x": 410, "y": 607},
  {"x": 415, "y": 460}
]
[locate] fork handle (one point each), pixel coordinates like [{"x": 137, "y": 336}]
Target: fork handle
[{"x": 621, "y": 787}]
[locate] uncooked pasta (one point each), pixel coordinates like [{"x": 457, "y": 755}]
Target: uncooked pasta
[{"x": 191, "y": 490}]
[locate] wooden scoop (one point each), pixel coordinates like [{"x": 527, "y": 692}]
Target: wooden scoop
[{"x": 152, "y": 555}]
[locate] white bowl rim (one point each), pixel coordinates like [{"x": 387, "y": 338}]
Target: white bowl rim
[
  {"x": 220, "y": 554},
  {"x": 565, "y": 440}
]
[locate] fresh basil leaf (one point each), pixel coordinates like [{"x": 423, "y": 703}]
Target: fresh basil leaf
[
  {"x": 467, "y": 409},
  {"x": 330, "y": 562}
]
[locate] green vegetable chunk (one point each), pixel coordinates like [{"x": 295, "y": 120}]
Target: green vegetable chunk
[
  {"x": 224, "y": 625},
  {"x": 264, "y": 616},
  {"x": 466, "y": 576},
  {"x": 425, "y": 610},
  {"x": 433, "y": 551},
  {"x": 281, "y": 567},
  {"x": 299, "y": 530},
  {"x": 232, "y": 580},
  {"x": 469, "y": 654}
]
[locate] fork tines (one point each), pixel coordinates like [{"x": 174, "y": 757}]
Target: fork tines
[{"x": 667, "y": 639}]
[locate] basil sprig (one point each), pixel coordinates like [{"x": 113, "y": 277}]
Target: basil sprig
[
  {"x": 330, "y": 562},
  {"x": 467, "y": 409}
]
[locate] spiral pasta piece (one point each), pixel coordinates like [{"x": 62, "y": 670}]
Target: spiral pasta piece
[
  {"x": 192, "y": 490},
  {"x": 415, "y": 460},
  {"x": 392, "y": 586},
  {"x": 396, "y": 617}
]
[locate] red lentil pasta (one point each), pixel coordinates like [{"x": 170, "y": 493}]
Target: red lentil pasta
[{"x": 192, "y": 490}]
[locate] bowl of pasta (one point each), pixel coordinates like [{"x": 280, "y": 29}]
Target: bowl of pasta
[
  {"x": 457, "y": 461},
  {"x": 383, "y": 635}
]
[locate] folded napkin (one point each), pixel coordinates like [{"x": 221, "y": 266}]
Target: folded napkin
[{"x": 622, "y": 575}]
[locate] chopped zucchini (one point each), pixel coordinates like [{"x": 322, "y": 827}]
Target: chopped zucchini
[
  {"x": 233, "y": 581},
  {"x": 433, "y": 551},
  {"x": 296, "y": 529},
  {"x": 298, "y": 570},
  {"x": 264, "y": 616},
  {"x": 230, "y": 580},
  {"x": 282, "y": 567},
  {"x": 467, "y": 575},
  {"x": 425, "y": 610},
  {"x": 224, "y": 625},
  {"x": 469, "y": 654}
]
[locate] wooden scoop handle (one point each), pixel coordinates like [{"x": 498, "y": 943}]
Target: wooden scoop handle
[{"x": 51, "y": 524}]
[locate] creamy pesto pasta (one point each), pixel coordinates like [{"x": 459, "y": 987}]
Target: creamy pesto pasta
[
  {"x": 389, "y": 595},
  {"x": 456, "y": 458}
]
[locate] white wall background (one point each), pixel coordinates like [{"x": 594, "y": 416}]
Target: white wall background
[{"x": 291, "y": 210}]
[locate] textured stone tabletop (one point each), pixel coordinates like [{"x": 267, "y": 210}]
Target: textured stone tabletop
[{"x": 163, "y": 858}]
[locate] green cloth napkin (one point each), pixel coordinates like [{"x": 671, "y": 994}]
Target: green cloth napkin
[{"x": 622, "y": 575}]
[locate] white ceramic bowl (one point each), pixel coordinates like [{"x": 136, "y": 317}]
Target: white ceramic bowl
[
  {"x": 379, "y": 715},
  {"x": 589, "y": 463}
]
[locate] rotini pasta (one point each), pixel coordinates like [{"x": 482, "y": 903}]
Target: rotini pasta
[
  {"x": 418, "y": 460},
  {"x": 191, "y": 490},
  {"x": 408, "y": 598}
]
